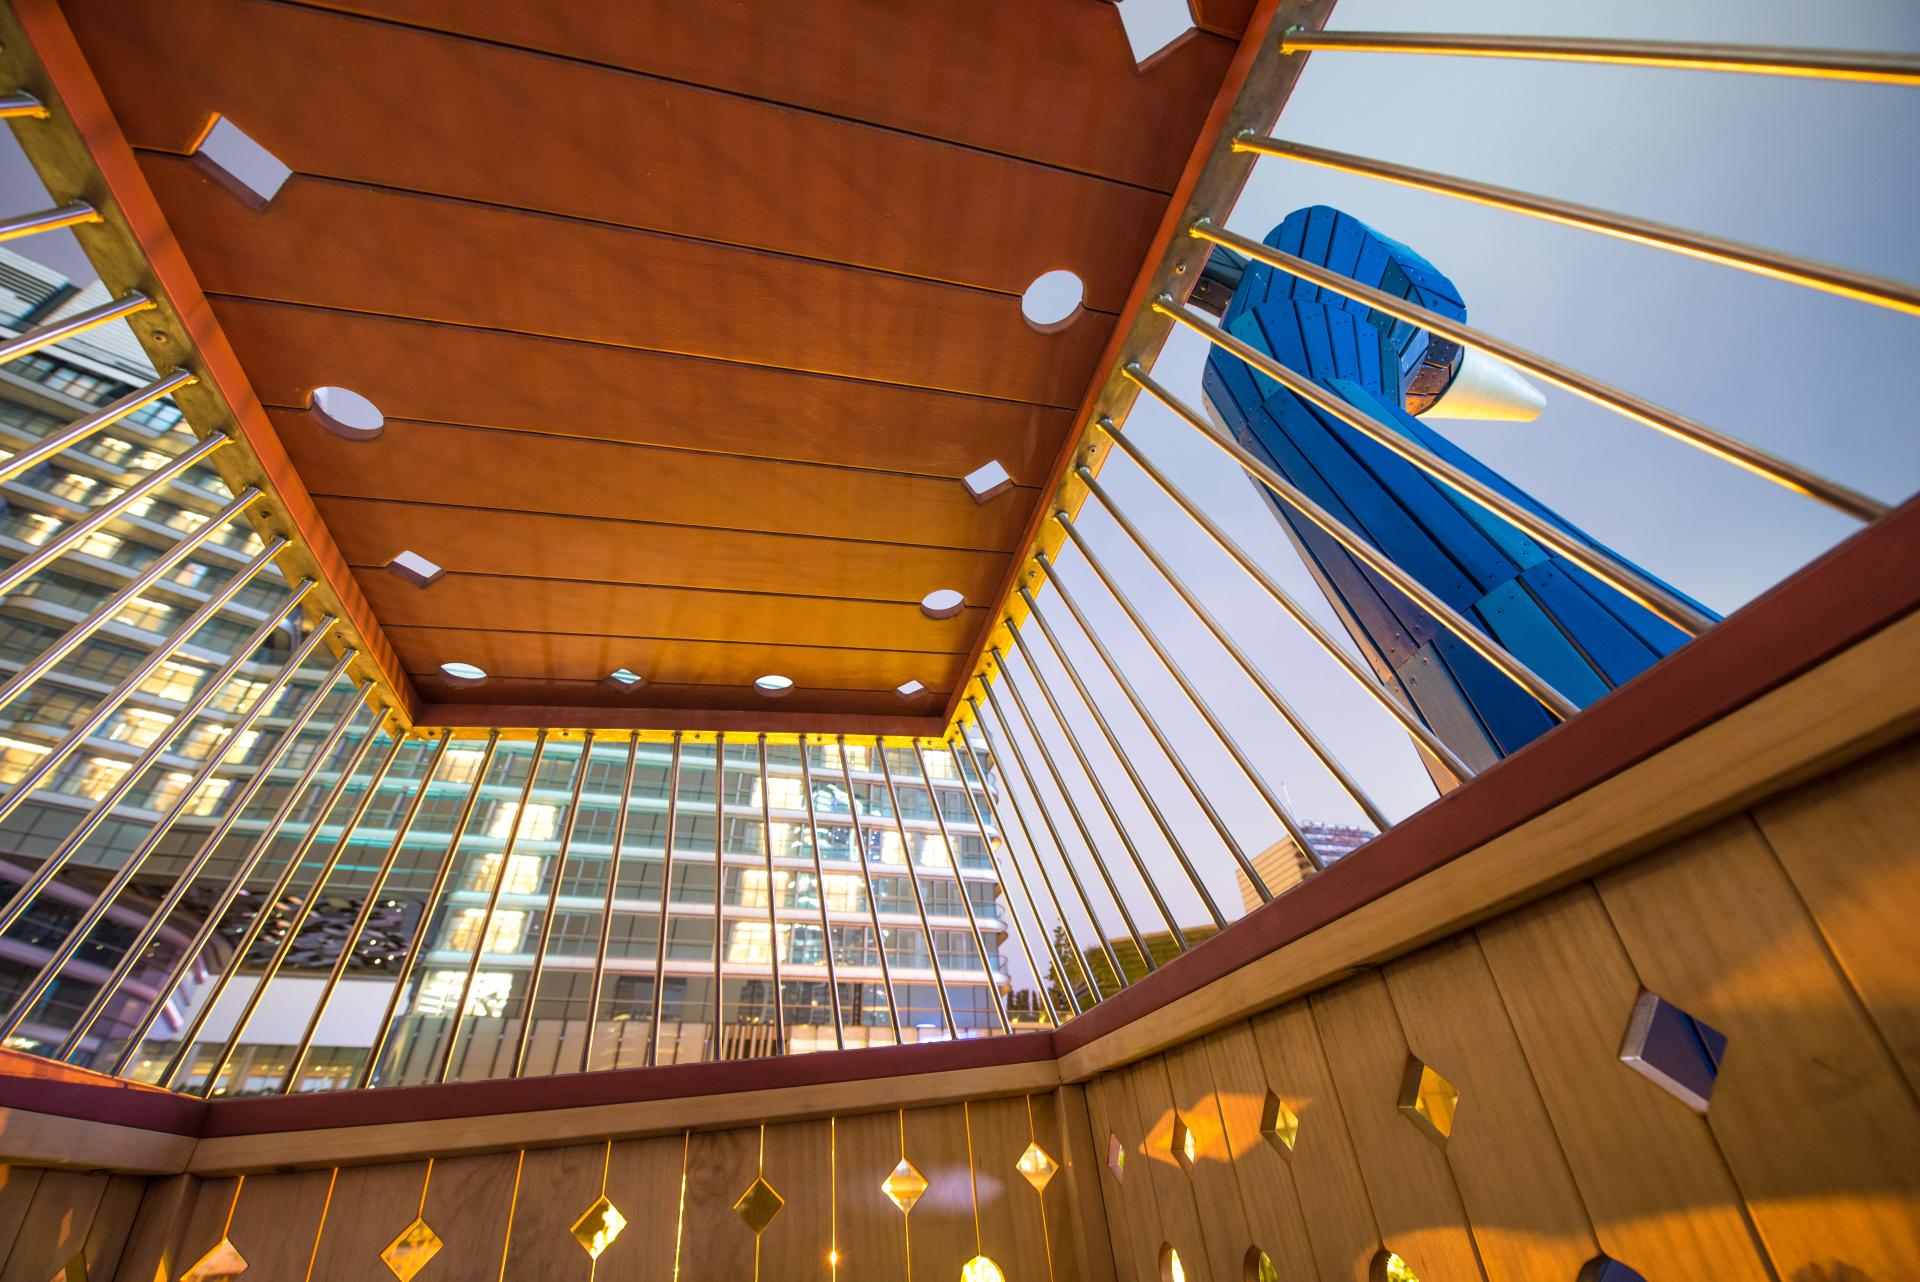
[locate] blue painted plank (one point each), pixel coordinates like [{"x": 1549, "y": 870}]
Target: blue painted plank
[
  {"x": 1512, "y": 717},
  {"x": 1609, "y": 644},
  {"x": 1519, "y": 624}
]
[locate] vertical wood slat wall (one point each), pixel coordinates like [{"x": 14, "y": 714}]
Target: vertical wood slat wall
[{"x": 1782, "y": 926}]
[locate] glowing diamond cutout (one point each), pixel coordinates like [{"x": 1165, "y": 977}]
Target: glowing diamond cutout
[
  {"x": 76, "y": 1270},
  {"x": 1038, "y": 1167},
  {"x": 224, "y": 1261},
  {"x": 1186, "y": 1149},
  {"x": 904, "y": 1187},
  {"x": 758, "y": 1205},
  {"x": 407, "y": 1254},
  {"x": 1429, "y": 1100},
  {"x": 981, "y": 1269},
  {"x": 1116, "y": 1157},
  {"x": 598, "y": 1227},
  {"x": 1280, "y": 1124}
]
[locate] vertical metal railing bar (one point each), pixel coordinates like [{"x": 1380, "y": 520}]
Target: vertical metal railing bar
[
  {"x": 22, "y": 106},
  {"x": 719, "y": 886},
  {"x": 1019, "y": 759},
  {"x": 104, "y": 417},
  {"x": 1118, "y": 673},
  {"x": 820, "y": 893},
  {"x": 873, "y": 903},
  {"x": 299, "y": 917},
  {"x": 960, "y": 883},
  {"x": 76, "y": 636},
  {"x": 1595, "y": 560},
  {"x": 666, "y": 898},
  {"x": 71, "y": 214},
  {"x": 417, "y": 946},
  {"x": 183, "y": 883},
  {"x": 262, "y": 914},
  {"x": 773, "y": 916},
  {"x": 71, "y": 326},
  {"x": 1013, "y": 905},
  {"x": 255, "y": 855},
  {"x": 361, "y": 917},
  {"x": 1477, "y": 640},
  {"x": 493, "y": 904},
  {"x": 72, "y": 535},
  {"x": 1367, "y": 679},
  {"x": 1328, "y": 760},
  {"x": 130, "y": 867},
  {"x": 913, "y": 882},
  {"x": 1175, "y": 846},
  {"x": 606, "y": 912},
  {"x": 1725, "y": 448},
  {"x": 553, "y": 903},
  {"x": 1074, "y": 812},
  {"x": 1821, "y": 277},
  {"x": 130, "y": 778}
]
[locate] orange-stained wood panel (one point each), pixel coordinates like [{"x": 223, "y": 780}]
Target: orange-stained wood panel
[
  {"x": 1049, "y": 80},
  {"x": 1224, "y": 17},
  {"x": 620, "y": 610},
  {"x": 528, "y": 130},
  {"x": 373, "y": 531},
  {"x": 487, "y": 378},
  {"x": 487, "y": 468},
  {"x": 364, "y": 249},
  {"x": 504, "y": 703}
]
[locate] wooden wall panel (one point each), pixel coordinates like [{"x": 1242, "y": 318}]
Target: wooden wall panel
[
  {"x": 17, "y": 1185},
  {"x": 1079, "y": 1211},
  {"x": 1014, "y": 1230},
  {"x": 715, "y": 1242},
  {"x": 277, "y": 1221},
  {"x": 799, "y": 1165},
  {"x": 644, "y": 1181},
  {"x": 1133, "y": 1217},
  {"x": 940, "y": 1230},
  {"x": 1262, "y": 1172},
  {"x": 1153, "y": 1113},
  {"x": 1816, "y": 1121},
  {"x": 156, "y": 1241},
  {"x": 55, "y": 1228},
  {"x": 371, "y": 1207},
  {"x": 871, "y": 1232},
  {"x": 469, "y": 1200},
  {"x": 557, "y": 1186},
  {"x": 1216, "y": 1192}
]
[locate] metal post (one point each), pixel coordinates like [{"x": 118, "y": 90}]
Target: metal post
[
  {"x": 913, "y": 881},
  {"x": 81, "y": 428},
  {"x": 68, "y": 215},
  {"x": 719, "y": 884},
  {"x": 666, "y": 896},
  {"x": 960, "y": 883},
  {"x": 873, "y": 902},
  {"x": 820, "y": 893},
  {"x": 773, "y": 916},
  {"x": 1120, "y": 753},
  {"x": 22, "y": 106},
  {"x": 68, "y": 326},
  {"x": 493, "y": 903},
  {"x": 364, "y": 914},
  {"x": 1597, "y": 561},
  {"x": 606, "y": 915},
  {"x": 104, "y": 712},
  {"x": 1557, "y": 704},
  {"x": 1823, "y": 277},
  {"x": 1726, "y": 448},
  {"x": 418, "y": 944},
  {"x": 88, "y": 825},
  {"x": 1013, "y": 905},
  {"x": 255, "y": 854},
  {"x": 130, "y": 867},
  {"x": 553, "y": 904},
  {"x": 1046, "y": 817},
  {"x": 300, "y": 916},
  {"x": 157, "y": 918},
  {"x": 28, "y": 566}
]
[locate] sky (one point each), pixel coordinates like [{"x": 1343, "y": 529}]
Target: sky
[{"x": 1824, "y": 170}]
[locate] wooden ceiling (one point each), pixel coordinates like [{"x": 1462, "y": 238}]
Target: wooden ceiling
[{"x": 686, "y": 318}]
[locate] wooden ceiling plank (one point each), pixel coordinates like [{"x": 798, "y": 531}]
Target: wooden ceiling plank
[{"x": 582, "y": 695}]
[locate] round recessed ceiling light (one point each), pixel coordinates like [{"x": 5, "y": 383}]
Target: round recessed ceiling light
[
  {"x": 463, "y": 674},
  {"x": 345, "y": 412},
  {"x": 942, "y": 603},
  {"x": 773, "y": 683},
  {"x": 1052, "y": 300}
]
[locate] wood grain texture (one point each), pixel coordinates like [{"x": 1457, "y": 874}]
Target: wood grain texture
[
  {"x": 56, "y": 1226},
  {"x": 1013, "y": 1227},
  {"x": 1527, "y": 1218},
  {"x": 468, "y": 1202},
  {"x": 715, "y": 1242},
  {"x": 799, "y": 1165},
  {"x": 940, "y": 1229},
  {"x": 17, "y": 1184},
  {"x": 156, "y": 1241},
  {"x": 1818, "y": 1125},
  {"x": 556, "y": 1187},
  {"x": 1413, "y": 1192},
  {"x": 1262, "y": 1170},
  {"x": 1849, "y": 845},
  {"x": 1082, "y": 1157},
  {"x": 644, "y": 1181},
  {"x": 1173, "y": 1193},
  {"x": 113, "y": 1221},
  {"x": 372, "y": 1205},
  {"x": 1647, "y": 1167},
  {"x": 277, "y": 1223},
  {"x": 871, "y": 1234},
  {"x": 1217, "y": 1197},
  {"x": 1133, "y": 1215}
]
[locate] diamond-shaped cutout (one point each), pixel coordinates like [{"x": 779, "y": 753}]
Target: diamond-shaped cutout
[
  {"x": 1673, "y": 1050},
  {"x": 598, "y": 1227},
  {"x": 407, "y": 1254},
  {"x": 904, "y": 1186},
  {"x": 1389, "y": 1267},
  {"x": 1116, "y": 1157},
  {"x": 223, "y": 1261},
  {"x": 1428, "y": 1100},
  {"x": 1279, "y": 1123},
  {"x": 1186, "y": 1149},
  {"x": 1037, "y": 1166},
  {"x": 758, "y": 1205}
]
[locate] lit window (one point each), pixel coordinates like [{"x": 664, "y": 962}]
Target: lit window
[
  {"x": 503, "y": 936},
  {"x": 140, "y": 727},
  {"x": 35, "y": 529},
  {"x": 17, "y": 756},
  {"x": 461, "y": 765},
  {"x": 174, "y": 680},
  {"x": 541, "y": 823},
  {"x": 73, "y": 487},
  {"x": 441, "y": 989},
  {"x": 100, "y": 544},
  {"x": 96, "y": 778},
  {"x": 151, "y": 616}
]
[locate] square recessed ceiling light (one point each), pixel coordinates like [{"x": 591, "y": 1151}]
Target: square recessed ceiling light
[
  {"x": 415, "y": 569},
  {"x": 240, "y": 164},
  {"x": 989, "y": 480}
]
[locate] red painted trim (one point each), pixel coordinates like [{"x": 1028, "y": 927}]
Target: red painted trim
[
  {"x": 36, "y": 1085},
  {"x": 73, "y": 80}
]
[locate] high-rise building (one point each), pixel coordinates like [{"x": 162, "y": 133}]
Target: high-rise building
[{"x": 1282, "y": 868}]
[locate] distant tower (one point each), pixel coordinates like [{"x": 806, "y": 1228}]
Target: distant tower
[{"x": 1562, "y": 622}]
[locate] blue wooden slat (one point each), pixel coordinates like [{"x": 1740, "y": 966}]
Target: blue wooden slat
[
  {"x": 1512, "y": 717},
  {"x": 1609, "y": 644},
  {"x": 1519, "y": 624}
]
